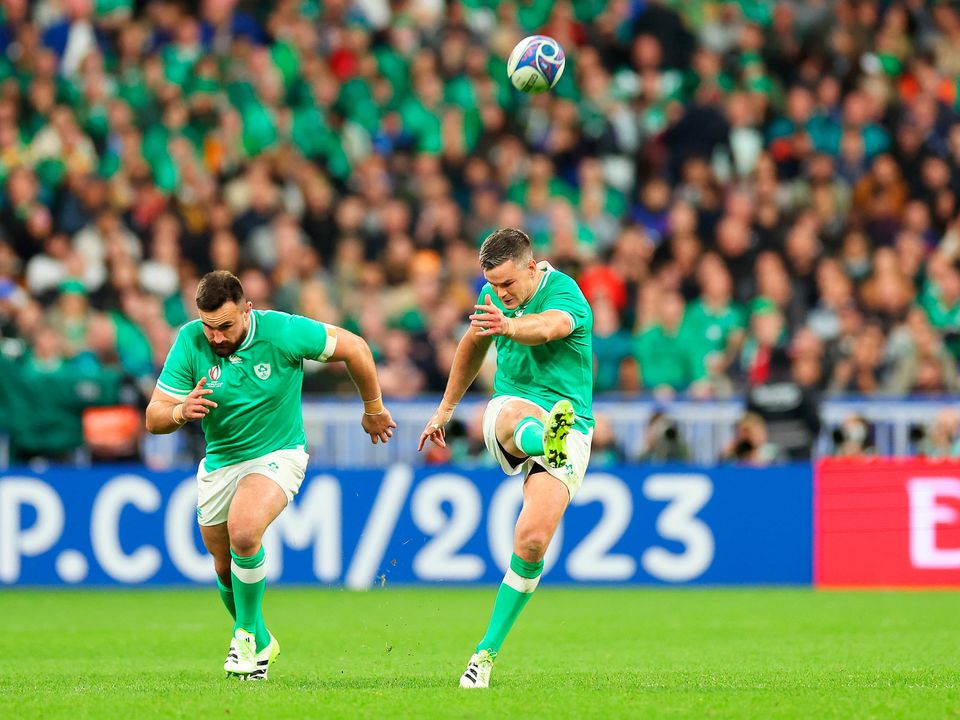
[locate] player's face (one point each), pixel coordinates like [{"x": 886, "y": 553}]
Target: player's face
[
  {"x": 513, "y": 281},
  {"x": 226, "y": 327}
]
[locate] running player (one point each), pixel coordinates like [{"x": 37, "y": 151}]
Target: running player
[
  {"x": 239, "y": 371},
  {"x": 539, "y": 421}
]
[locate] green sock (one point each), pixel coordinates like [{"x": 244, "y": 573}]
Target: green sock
[
  {"x": 517, "y": 586},
  {"x": 529, "y": 436},
  {"x": 226, "y": 594},
  {"x": 249, "y": 580}
]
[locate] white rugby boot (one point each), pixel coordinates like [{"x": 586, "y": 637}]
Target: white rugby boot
[
  {"x": 265, "y": 658},
  {"x": 477, "y": 674},
  {"x": 242, "y": 658}
]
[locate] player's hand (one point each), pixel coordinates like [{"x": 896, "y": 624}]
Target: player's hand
[
  {"x": 434, "y": 431},
  {"x": 378, "y": 427},
  {"x": 196, "y": 406},
  {"x": 490, "y": 320}
]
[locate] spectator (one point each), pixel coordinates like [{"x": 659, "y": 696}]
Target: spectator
[
  {"x": 750, "y": 444},
  {"x": 399, "y": 377},
  {"x": 879, "y": 198},
  {"x": 691, "y": 162},
  {"x": 670, "y": 360},
  {"x": 942, "y": 438},
  {"x": 853, "y": 438},
  {"x": 763, "y": 347},
  {"x": 861, "y": 371},
  {"x": 714, "y": 319},
  {"x": 605, "y": 450},
  {"x": 782, "y": 388},
  {"x": 611, "y": 347},
  {"x": 940, "y": 299},
  {"x": 925, "y": 366},
  {"x": 52, "y": 430},
  {"x": 662, "y": 442}
]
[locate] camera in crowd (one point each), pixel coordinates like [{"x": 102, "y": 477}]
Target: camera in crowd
[
  {"x": 939, "y": 439},
  {"x": 751, "y": 442},
  {"x": 663, "y": 441},
  {"x": 854, "y": 437}
]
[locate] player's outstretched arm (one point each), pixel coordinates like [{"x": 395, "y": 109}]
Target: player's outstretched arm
[
  {"x": 166, "y": 414},
  {"x": 354, "y": 352},
  {"x": 534, "y": 329},
  {"x": 466, "y": 366}
]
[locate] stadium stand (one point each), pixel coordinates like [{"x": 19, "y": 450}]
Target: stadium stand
[{"x": 752, "y": 195}]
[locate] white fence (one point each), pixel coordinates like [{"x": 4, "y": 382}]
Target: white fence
[{"x": 335, "y": 439}]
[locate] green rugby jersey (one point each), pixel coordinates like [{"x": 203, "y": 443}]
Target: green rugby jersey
[
  {"x": 555, "y": 370},
  {"x": 257, "y": 389}
]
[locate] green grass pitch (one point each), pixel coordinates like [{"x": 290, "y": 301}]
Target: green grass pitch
[{"x": 577, "y": 653}]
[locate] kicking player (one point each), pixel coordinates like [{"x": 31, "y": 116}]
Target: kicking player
[
  {"x": 539, "y": 421},
  {"x": 239, "y": 371}
]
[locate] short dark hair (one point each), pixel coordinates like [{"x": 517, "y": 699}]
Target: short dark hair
[
  {"x": 505, "y": 244},
  {"x": 217, "y": 288}
]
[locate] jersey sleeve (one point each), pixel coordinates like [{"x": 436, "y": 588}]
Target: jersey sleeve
[
  {"x": 176, "y": 378},
  {"x": 307, "y": 339},
  {"x": 567, "y": 298}
]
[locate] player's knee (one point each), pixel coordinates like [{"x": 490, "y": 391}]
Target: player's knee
[
  {"x": 508, "y": 418},
  {"x": 507, "y": 422},
  {"x": 244, "y": 541},
  {"x": 532, "y": 545}
]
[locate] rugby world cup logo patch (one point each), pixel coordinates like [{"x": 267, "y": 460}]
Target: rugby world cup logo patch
[
  {"x": 214, "y": 374},
  {"x": 262, "y": 370}
]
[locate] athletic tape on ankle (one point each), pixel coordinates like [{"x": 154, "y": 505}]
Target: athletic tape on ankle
[
  {"x": 520, "y": 584},
  {"x": 248, "y": 575}
]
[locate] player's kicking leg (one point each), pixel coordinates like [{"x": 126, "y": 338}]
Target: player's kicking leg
[
  {"x": 258, "y": 501},
  {"x": 537, "y": 434},
  {"x": 523, "y": 430}
]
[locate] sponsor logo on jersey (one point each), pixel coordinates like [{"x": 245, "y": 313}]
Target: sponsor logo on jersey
[
  {"x": 235, "y": 359},
  {"x": 519, "y": 313},
  {"x": 262, "y": 370}
]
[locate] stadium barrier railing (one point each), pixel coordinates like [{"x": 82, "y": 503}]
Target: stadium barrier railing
[{"x": 334, "y": 438}]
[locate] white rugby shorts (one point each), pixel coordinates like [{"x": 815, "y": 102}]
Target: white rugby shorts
[
  {"x": 215, "y": 489},
  {"x": 578, "y": 449}
]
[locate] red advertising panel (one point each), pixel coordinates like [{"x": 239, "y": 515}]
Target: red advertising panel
[{"x": 886, "y": 523}]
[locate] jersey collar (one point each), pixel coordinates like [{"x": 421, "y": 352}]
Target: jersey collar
[
  {"x": 250, "y": 333},
  {"x": 547, "y": 268}
]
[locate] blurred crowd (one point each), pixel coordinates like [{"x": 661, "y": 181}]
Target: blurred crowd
[{"x": 753, "y": 195}]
